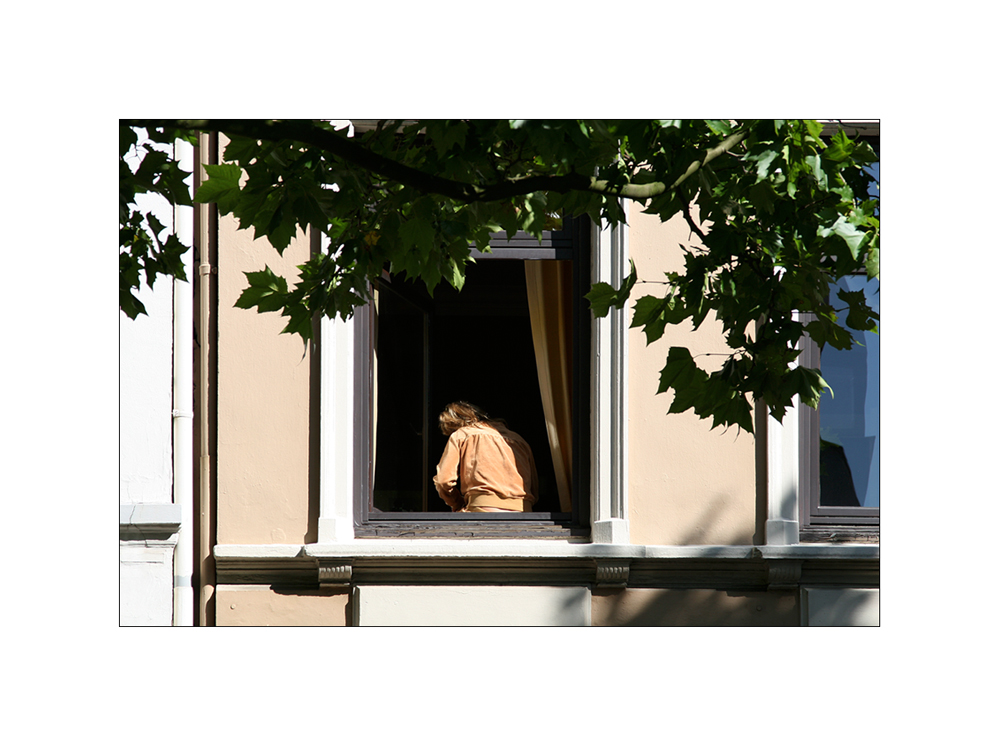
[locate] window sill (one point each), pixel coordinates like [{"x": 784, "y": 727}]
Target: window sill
[
  {"x": 545, "y": 549},
  {"x": 840, "y": 535},
  {"x": 509, "y": 526}
]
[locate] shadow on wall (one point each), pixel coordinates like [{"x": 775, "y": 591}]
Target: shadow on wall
[
  {"x": 704, "y": 530},
  {"x": 695, "y": 607}
]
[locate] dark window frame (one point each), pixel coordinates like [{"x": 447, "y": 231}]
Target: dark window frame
[
  {"x": 572, "y": 242},
  {"x": 824, "y": 523}
]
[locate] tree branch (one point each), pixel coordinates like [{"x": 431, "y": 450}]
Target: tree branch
[
  {"x": 691, "y": 223},
  {"x": 304, "y": 131},
  {"x": 308, "y": 133}
]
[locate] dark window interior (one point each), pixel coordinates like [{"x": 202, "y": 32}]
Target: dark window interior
[{"x": 474, "y": 345}]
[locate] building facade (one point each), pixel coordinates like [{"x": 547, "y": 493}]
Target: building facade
[{"x": 302, "y": 507}]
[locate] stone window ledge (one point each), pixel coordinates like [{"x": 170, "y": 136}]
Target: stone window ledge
[{"x": 148, "y": 520}]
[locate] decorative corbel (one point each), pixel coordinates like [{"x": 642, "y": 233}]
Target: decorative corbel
[
  {"x": 335, "y": 573},
  {"x": 783, "y": 574},
  {"x": 611, "y": 574}
]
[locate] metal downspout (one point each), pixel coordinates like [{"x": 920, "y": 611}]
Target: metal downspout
[{"x": 205, "y": 243}]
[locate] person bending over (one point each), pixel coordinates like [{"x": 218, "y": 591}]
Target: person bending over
[{"x": 485, "y": 466}]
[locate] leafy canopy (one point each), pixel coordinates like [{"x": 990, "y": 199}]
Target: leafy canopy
[
  {"x": 147, "y": 250},
  {"x": 783, "y": 212}
]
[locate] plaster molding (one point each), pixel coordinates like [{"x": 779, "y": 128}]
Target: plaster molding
[
  {"x": 335, "y": 573},
  {"x": 507, "y": 562},
  {"x": 611, "y": 574},
  {"x": 784, "y": 574},
  {"x": 149, "y": 521}
]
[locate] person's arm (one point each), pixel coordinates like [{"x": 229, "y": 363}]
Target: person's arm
[{"x": 446, "y": 481}]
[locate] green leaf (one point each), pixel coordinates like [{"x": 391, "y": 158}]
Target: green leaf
[
  {"x": 267, "y": 291},
  {"x": 127, "y": 138},
  {"x": 222, "y": 186},
  {"x": 654, "y": 313},
  {"x": 299, "y": 322},
  {"x": 418, "y": 233},
  {"x": 864, "y": 153},
  {"x": 810, "y": 385},
  {"x": 762, "y": 196},
  {"x": 601, "y": 297},
  {"x": 450, "y": 136},
  {"x": 680, "y": 373},
  {"x": 841, "y": 147},
  {"x": 860, "y": 316},
  {"x": 719, "y": 127},
  {"x": 851, "y": 235},
  {"x": 825, "y": 332},
  {"x": 156, "y": 225},
  {"x": 764, "y": 160},
  {"x": 455, "y": 273},
  {"x": 815, "y": 164},
  {"x": 871, "y": 262},
  {"x": 647, "y": 309}
]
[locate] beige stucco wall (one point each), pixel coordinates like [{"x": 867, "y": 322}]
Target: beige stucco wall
[
  {"x": 688, "y": 484},
  {"x": 263, "y": 403},
  {"x": 263, "y": 606}
]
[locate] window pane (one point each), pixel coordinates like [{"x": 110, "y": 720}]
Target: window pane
[{"x": 849, "y": 422}]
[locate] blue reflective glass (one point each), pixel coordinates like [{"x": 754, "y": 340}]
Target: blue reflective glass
[{"x": 849, "y": 421}]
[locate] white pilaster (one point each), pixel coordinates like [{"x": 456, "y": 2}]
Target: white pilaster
[
  {"x": 341, "y": 425},
  {"x": 782, "y": 527},
  {"x": 609, "y": 411}
]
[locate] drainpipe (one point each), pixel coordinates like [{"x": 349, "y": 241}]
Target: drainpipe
[
  {"x": 205, "y": 460},
  {"x": 183, "y": 408},
  {"x": 205, "y": 573}
]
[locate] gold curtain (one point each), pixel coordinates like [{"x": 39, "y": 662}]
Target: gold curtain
[{"x": 550, "y": 286}]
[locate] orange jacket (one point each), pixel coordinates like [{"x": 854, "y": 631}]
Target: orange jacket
[{"x": 486, "y": 458}]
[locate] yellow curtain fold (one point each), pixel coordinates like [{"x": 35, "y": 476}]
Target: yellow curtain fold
[{"x": 550, "y": 285}]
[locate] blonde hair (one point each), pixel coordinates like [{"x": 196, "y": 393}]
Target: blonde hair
[{"x": 459, "y": 414}]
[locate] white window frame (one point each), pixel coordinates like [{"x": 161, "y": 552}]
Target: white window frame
[{"x": 344, "y": 358}]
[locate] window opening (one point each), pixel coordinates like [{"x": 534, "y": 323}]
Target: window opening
[{"x": 474, "y": 345}]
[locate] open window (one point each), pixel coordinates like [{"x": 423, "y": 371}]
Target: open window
[{"x": 516, "y": 342}]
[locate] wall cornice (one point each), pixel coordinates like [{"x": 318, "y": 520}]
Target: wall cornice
[
  {"x": 148, "y": 521},
  {"x": 498, "y": 562}
]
